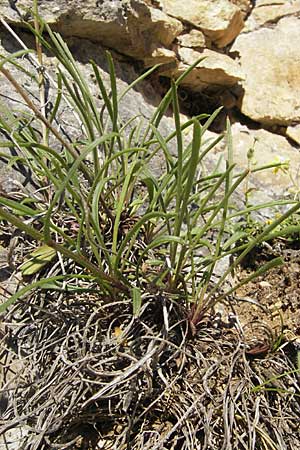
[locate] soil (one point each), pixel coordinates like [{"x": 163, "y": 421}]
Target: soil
[{"x": 277, "y": 295}]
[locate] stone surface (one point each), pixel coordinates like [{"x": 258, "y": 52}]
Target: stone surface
[
  {"x": 193, "y": 39},
  {"x": 14, "y": 439},
  {"x": 215, "y": 69},
  {"x": 293, "y": 132},
  {"x": 140, "y": 101},
  {"x": 160, "y": 56},
  {"x": 219, "y": 20},
  {"x": 244, "y": 5},
  {"x": 270, "y": 60},
  {"x": 269, "y": 11},
  {"x": 268, "y": 148},
  {"x": 172, "y": 33},
  {"x": 130, "y": 27}
]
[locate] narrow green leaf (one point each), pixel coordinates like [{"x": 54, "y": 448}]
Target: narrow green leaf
[
  {"x": 35, "y": 285},
  {"x": 138, "y": 80},
  {"x": 19, "y": 208},
  {"x": 13, "y": 56},
  {"x": 101, "y": 277},
  {"x": 38, "y": 259},
  {"x": 77, "y": 163},
  {"x": 159, "y": 242},
  {"x": 129, "y": 240},
  {"x": 136, "y": 301},
  {"x": 254, "y": 242}
]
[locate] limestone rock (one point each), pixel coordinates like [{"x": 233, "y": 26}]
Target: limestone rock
[
  {"x": 160, "y": 56},
  {"x": 269, "y": 70},
  {"x": 270, "y": 60},
  {"x": 140, "y": 101},
  {"x": 220, "y": 20},
  {"x": 269, "y": 184},
  {"x": 293, "y": 132},
  {"x": 268, "y": 148},
  {"x": 215, "y": 69},
  {"x": 193, "y": 39},
  {"x": 244, "y": 5},
  {"x": 128, "y": 26},
  {"x": 154, "y": 24},
  {"x": 269, "y": 11}
]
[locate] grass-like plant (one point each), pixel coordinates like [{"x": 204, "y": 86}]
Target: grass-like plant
[{"x": 99, "y": 206}]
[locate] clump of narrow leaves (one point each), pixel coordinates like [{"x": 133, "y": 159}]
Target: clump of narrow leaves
[{"x": 102, "y": 207}]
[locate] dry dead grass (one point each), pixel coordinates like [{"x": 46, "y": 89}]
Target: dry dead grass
[{"x": 81, "y": 373}]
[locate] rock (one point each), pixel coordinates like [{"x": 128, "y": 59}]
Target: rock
[
  {"x": 228, "y": 100},
  {"x": 151, "y": 25},
  {"x": 160, "y": 56},
  {"x": 268, "y": 11},
  {"x": 215, "y": 69},
  {"x": 270, "y": 60},
  {"x": 128, "y": 26},
  {"x": 193, "y": 39},
  {"x": 268, "y": 148},
  {"x": 140, "y": 101},
  {"x": 220, "y": 20},
  {"x": 293, "y": 132},
  {"x": 15, "y": 438},
  {"x": 244, "y": 5}
]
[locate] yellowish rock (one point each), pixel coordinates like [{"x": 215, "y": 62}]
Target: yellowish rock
[
  {"x": 130, "y": 27},
  {"x": 195, "y": 38},
  {"x": 160, "y": 56},
  {"x": 293, "y": 132},
  {"x": 268, "y": 11},
  {"x": 220, "y": 20},
  {"x": 215, "y": 69},
  {"x": 270, "y": 59},
  {"x": 164, "y": 28}
]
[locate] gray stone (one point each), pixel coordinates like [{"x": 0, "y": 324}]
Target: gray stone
[
  {"x": 129, "y": 26},
  {"x": 269, "y": 12},
  {"x": 270, "y": 60},
  {"x": 268, "y": 148}
]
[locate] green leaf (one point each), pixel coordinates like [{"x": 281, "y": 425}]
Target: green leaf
[
  {"x": 18, "y": 207},
  {"x": 11, "y": 58},
  {"x": 237, "y": 236},
  {"x": 37, "y": 260},
  {"x": 39, "y": 284},
  {"x": 136, "y": 301}
]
